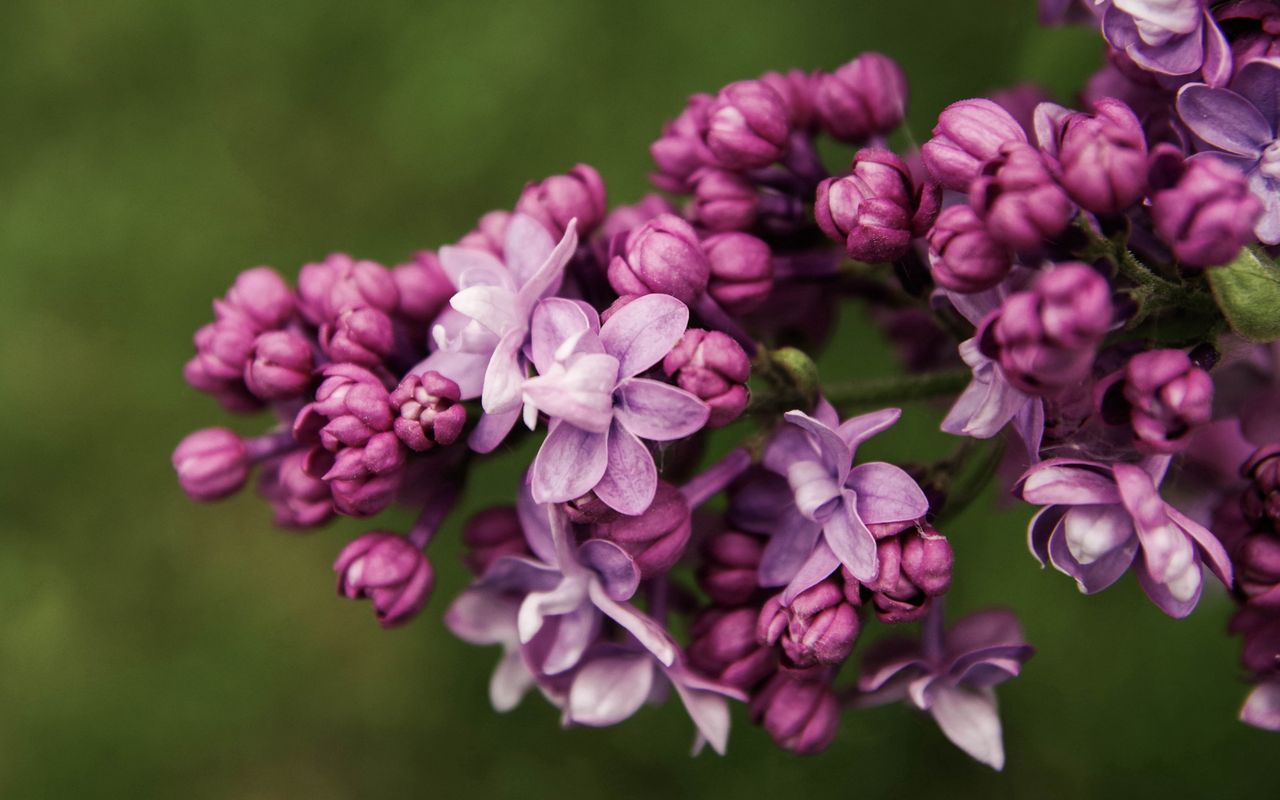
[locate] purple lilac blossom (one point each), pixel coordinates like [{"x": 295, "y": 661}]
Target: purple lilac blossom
[{"x": 1168, "y": 37}]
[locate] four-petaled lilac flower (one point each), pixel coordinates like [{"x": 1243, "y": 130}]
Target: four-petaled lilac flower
[
  {"x": 600, "y": 411},
  {"x": 952, "y": 676},
  {"x": 1242, "y": 124},
  {"x": 828, "y": 519},
  {"x": 1168, "y": 37},
  {"x": 1099, "y": 516},
  {"x": 481, "y": 338}
]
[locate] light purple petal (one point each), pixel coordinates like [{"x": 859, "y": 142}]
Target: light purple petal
[
  {"x": 1028, "y": 423},
  {"x": 710, "y": 714},
  {"x": 856, "y": 430},
  {"x": 1179, "y": 16},
  {"x": 510, "y": 681},
  {"x": 1224, "y": 119},
  {"x": 631, "y": 478},
  {"x": 970, "y": 719},
  {"x": 493, "y": 307},
  {"x": 649, "y": 633},
  {"x": 1176, "y": 605},
  {"x": 786, "y": 446},
  {"x": 1166, "y": 550},
  {"x": 847, "y": 536},
  {"x": 816, "y": 492},
  {"x": 992, "y": 627},
  {"x": 1047, "y": 119},
  {"x": 641, "y": 333},
  {"x": 658, "y": 411},
  {"x": 820, "y": 563},
  {"x": 1098, "y": 575},
  {"x": 569, "y": 595},
  {"x": 581, "y": 395},
  {"x": 615, "y": 569},
  {"x": 1210, "y": 548},
  {"x": 789, "y": 546},
  {"x": 570, "y": 463},
  {"x": 1092, "y": 532},
  {"x": 1259, "y": 83},
  {"x": 574, "y": 633},
  {"x": 483, "y": 617},
  {"x": 526, "y": 247},
  {"x": 886, "y": 493},
  {"x": 1262, "y": 707},
  {"x": 555, "y": 320},
  {"x": 463, "y": 368},
  {"x": 548, "y": 276},
  {"x": 836, "y": 455},
  {"x": 466, "y": 267},
  {"x": 536, "y": 524},
  {"x": 1065, "y": 482},
  {"x": 1218, "y": 58},
  {"x": 1267, "y": 228},
  {"x": 492, "y": 429},
  {"x": 1039, "y": 530},
  {"x": 504, "y": 376},
  {"x": 610, "y": 689},
  {"x": 888, "y": 665}
]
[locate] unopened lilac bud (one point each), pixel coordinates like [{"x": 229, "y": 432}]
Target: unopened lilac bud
[
  {"x": 557, "y": 200},
  {"x": 1208, "y": 215},
  {"x": 1103, "y": 157},
  {"x": 224, "y": 347},
  {"x": 340, "y": 283},
  {"x": 655, "y": 539},
  {"x": 747, "y": 125},
  {"x": 724, "y": 200},
  {"x": 430, "y": 411},
  {"x": 728, "y": 570},
  {"x": 798, "y": 90},
  {"x": 590, "y": 510},
  {"x": 1261, "y": 499},
  {"x": 489, "y": 234},
  {"x": 723, "y": 646},
  {"x": 422, "y": 287},
  {"x": 390, "y": 571},
  {"x": 365, "y": 496},
  {"x": 231, "y": 394},
  {"x": 1018, "y": 199},
  {"x": 491, "y": 534},
  {"x": 864, "y": 98},
  {"x": 1045, "y": 338},
  {"x": 299, "y": 500},
  {"x": 662, "y": 256},
  {"x": 682, "y": 151},
  {"x": 963, "y": 256},
  {"x": 211, "y": 463},
  {"x": 715, "y": 368},
  {"x": 1166, "y": 397},
  {"x": 819, "y": 626},
  {"x": 262, "y": 296},
  {"x": 279, "y": 366},
  {"x": 358, "y": 335},
  {"x": 623, "y": 219},
  {"x": 801, "y": 715},
  {"x": 1257, "y": 563},
  {"x": 741, "y": 271},
  {"x": 927, "y": 560},
  {"x": 875, "y": 210},
  {"x": 969, "y": 133}
]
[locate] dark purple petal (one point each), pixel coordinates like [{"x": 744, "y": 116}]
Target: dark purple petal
[{"x": 1224, "y": 119}]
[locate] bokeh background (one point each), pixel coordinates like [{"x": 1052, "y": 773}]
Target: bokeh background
[{"x": 150, "y": 149}]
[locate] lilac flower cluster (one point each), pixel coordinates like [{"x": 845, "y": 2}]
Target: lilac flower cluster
[{"x": 1103, "y": 275}]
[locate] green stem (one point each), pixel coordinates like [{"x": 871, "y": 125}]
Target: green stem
[{"x": 898, "y": 388}]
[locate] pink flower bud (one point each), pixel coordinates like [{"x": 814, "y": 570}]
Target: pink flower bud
[
  {"x": 388, "y": 570},
  {"x": 280, "y": 366},
  {"x": 741, "y": 271},
  {"x": 864, "y": 98},
  {"x": 211, "y": 463}
]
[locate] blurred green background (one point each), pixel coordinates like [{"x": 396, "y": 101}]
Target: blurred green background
[{"x": 154, "y": 648}]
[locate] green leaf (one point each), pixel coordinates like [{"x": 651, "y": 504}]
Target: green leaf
[{"x": 1248, "y": 292}]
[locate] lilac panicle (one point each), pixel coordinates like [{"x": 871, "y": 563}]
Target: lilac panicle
[
  {"x": 969, "y": 133},
  {"x": 600, "y": 411},
  {"x": 951, "y": 676},
  {"x": 1100, "y": 518},
  {"x": 864, "y": 98},
  {"x": 390, "y": 571}
]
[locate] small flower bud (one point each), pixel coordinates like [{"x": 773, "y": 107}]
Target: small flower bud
[
  {"x": 741, "y": 271},
  {"x": 662, "y": 256},
  {"x": 797, "y": 89},
  {"x": 280, "y": 365},
  {"x": 728, "y": 570},
  {"x": 557, "y": 200},
  {"x": 715, "y": 368},
  {"x": 801, "y": 715},
  {"x": 1103, "y": 157},
  {"x": 339, "y": 283},
  {"x": 361, "y": 335},
  {"x": 1208, "y": 215},
  {"x": 491, "y": 534},
  {"x": 682, "y": 151},
  {"x": 655, "y": 539},
  {"x": 1163, "y": 397},
  {"x": 298, "y": 499},
  {"x": 962, "y": 254},
  {"x": 969, "y": 133},
  {"x": 211, "y": 463},
  {"x": 489, "y": 234},
  {"x": 390, "y": 571},
  {"x": 724, "y": 200},
  {"x": 723, "y": 646},
  {"x": 864, "y": 98},
  {"x": 875, "y": 210},
  {"x": 263, "y": 297},
  {"x": 422, "y": 288},
  {"x": 429, "y": 411},
  {"x": 223, "y": 348},
  {"x": 1018, "y": 199},
  {"x": 819, "y": 627},
  {"x": 747, "y": 125}
]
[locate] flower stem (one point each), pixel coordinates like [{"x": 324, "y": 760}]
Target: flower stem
[{"x": 898, "y": 388}]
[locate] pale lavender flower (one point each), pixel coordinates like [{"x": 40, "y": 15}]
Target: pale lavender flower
[
  {"x": 1099, "y": 517},
  {"x": 826, "y": 517},
  {"x": 1240, "y": 123},
  {"x": 600, "y": 411},
  {"x": 1262, "y": 707},
  {"x": 479, "y": 345},
  {"x": 1168, "y": 37},
  {"x": 952, "y": 676}
]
